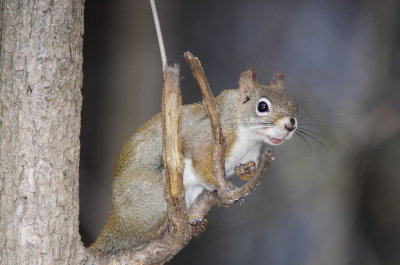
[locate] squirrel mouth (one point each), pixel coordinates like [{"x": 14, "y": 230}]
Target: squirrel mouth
[{"x": 275, "y": 140}]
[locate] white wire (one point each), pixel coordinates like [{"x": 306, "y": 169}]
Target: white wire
[{"x": 159, "y": 35}]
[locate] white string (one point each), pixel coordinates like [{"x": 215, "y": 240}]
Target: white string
[{"x": 159, "y": 35}]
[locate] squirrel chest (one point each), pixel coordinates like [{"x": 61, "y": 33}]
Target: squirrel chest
[{"x": 240, "y": 149}]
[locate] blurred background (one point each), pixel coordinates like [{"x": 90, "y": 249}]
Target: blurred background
[{"x": 332, "y": 198}]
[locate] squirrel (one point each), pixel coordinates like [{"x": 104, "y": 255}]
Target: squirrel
[{"x": 251, "y": 116}]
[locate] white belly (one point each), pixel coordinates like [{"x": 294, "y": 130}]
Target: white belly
[
  {"x": 194, "y": 184},
  {"x": 244, "y": 150}
]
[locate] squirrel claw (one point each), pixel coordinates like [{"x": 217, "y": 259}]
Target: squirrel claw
[
  {"x": 199, "y": 226},
  {"x": 246, "y": 171}
]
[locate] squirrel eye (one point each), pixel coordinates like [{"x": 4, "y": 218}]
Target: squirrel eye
[{"x": 263, "y": 106}]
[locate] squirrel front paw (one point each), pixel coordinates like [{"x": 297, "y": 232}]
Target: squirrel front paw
[
  {"x": 246, "y": 171},
  {"x": 199, "y": 225}
]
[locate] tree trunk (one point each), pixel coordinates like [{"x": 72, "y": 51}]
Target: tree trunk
[{"x": 40, "y": 105}]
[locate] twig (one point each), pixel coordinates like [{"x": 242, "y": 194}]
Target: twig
[
  {"x": 159, "y": 35},
  {"x": 213, "y": 113},
  {"x": 227, "y": 191}
]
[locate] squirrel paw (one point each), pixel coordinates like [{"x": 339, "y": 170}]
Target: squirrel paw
[
  {"x": 246, "y": 171},
  {"x": 199, "y": 225}
]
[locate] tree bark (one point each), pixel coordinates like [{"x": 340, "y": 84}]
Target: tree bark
[{"x": 40, "y": 105}]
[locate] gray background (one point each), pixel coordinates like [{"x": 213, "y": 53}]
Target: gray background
[{"x": 335, "y": 201}]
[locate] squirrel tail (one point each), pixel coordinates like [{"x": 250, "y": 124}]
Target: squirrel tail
[{"x": 112, "y": 239}]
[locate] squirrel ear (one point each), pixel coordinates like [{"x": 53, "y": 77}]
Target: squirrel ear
[
  {"x": 247, "y": 84},
  {"x": 278, "y": 81}
]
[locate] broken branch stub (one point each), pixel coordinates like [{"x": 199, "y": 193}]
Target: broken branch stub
[{"x": 172, "y": 154}]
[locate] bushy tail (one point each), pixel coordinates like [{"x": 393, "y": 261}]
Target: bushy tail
[{"x": 112, "y": 238}]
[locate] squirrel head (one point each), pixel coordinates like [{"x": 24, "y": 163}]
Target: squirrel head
[{"x": 267, "y": 113}]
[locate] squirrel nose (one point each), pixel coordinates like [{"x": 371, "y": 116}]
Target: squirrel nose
[{"x": 291, "y": 126}]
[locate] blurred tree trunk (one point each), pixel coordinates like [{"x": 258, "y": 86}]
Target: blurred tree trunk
[{"x": 40, "y": 105}]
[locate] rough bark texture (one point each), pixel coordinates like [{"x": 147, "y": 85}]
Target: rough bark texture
[{"x": 40, "y": 104}]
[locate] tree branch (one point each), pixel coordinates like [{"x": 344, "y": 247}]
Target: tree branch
[{"x": 178, "y": 231}]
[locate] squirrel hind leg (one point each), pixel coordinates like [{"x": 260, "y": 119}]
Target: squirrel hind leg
[
  {"x": 116, "y": 236},
  {"x": 139, "y": 211}
]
